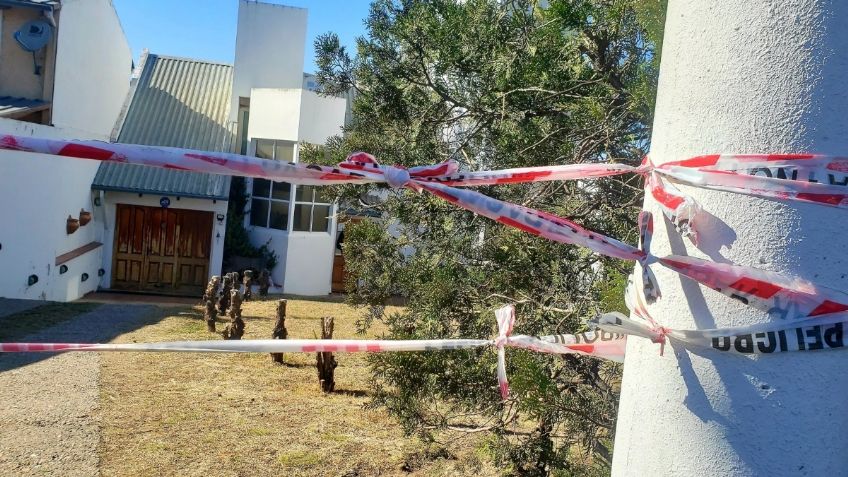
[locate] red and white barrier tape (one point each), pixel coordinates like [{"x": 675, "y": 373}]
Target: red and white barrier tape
[
  {"x": 788, "y": 177},
  {"x": 593, "y": 343}
]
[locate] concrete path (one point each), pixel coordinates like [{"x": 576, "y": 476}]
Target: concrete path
[{"x": 49, "y": 423}]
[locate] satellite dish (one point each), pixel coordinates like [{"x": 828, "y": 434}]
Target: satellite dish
[{"x": 34, "y": 35}]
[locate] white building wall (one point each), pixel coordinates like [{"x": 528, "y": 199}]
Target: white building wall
[
  {"x": 105, "y": 214},
  {"x": 268, "y": 69},
  {"x": 309, "y": 262},
  {"x": 274, "y": 113},
  {"x": 270, "y": 42},
  {"x": 93, "y": 66},
  {"x": 321, "y": 117},
  {"x": 295, "y": 115},
  {"x": 39, "y": 192}
]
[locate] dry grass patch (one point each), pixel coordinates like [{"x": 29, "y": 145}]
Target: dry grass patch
[{"x": 239, "y": 414}]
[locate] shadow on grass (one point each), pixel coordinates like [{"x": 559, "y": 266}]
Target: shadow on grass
[
  {"x": 350, "y": 392},
  {"x": 293, "y": 365},
  {"x": 72, "y": 323}
]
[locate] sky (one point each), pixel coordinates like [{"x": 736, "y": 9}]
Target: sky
[{"x": 206, "y": 29}]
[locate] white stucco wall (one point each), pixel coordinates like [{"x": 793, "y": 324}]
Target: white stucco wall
[
  {"x": 93, "y": 66},
  {"x": 274, "y": 113},
  {"x": 295, "y": 115},
  {"x": 106, "y": 217},
  {"x": 320, "y": 117},
  {"x": 39, "y": 192},
  {"x": 270, "y": 43},
  {"x": 309, "y": 262}
]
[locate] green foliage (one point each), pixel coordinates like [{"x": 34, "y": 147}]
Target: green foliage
[
  {"x": 236, "y": 240},
  {"x": 495, "y": 85}
]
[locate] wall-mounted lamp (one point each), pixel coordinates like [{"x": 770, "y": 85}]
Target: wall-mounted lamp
[
  {"x": 32, "y": 280},
  {"x": 97, "y": 201},
  {"x": 63, "y": 269},
  {"x": 221, "y": 218},
  {"x": 84, "y": 277},
  {"x": 101, "y": 272}
]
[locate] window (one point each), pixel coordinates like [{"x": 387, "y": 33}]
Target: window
[
  {"x": 274, "y": 149},
  {"x": 243, "y": 125},
  {"x": 311, "y": 209},
  {"x": 269, "y": 206}
]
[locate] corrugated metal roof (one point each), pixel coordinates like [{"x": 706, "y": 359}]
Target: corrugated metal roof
[
  {"x": 176, "y": 102},
  {"x": 35, "y": 3},
  {"x": 17, "y": 107}
]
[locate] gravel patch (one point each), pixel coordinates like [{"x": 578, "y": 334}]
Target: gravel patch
[{"x": 49, "y": 412}]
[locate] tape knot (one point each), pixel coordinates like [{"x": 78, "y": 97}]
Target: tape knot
[{"x": 397, "y": 177}]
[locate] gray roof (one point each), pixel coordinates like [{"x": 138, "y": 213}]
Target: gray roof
[
  {"x": 175, "y": 102},
  {"x": 18, "y": 107},
  {"x": 35, "y": 3}
]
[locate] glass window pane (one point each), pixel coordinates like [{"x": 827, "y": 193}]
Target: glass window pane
[
  {"x": 281, "y": 191},
  {"x": 265, "y": 148},
  {"x": 304, "y": 193},
  {"x": 321, "y": 218},
  {"x": 245, "y": 118},
  {"x": 279, "y": 215},
  {"x": 261, "y": 187},
  {"x": 301, "y": 216},
  {"x": 285, "y": 151},
  {"x": 323, "y": 195},
  {"x": 259, "y": 212}
]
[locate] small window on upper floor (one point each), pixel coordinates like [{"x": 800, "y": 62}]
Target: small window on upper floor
[{"x": 277, "y": 150}]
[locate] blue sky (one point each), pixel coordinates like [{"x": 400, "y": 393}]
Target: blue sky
[{"x": 206, "y": 29}]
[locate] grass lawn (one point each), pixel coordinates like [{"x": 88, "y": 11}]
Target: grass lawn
[{"x": 239, "y": 414}]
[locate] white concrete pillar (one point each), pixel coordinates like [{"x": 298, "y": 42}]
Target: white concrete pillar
[{"x": 743, "y": 77}]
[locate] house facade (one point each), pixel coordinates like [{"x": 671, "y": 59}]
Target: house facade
[
  {"x": 276, "y": 111},
  {"x": 60, "y": 77},
  {"x": 164, "y": 228},
  {"x": 145, "y": 229}
]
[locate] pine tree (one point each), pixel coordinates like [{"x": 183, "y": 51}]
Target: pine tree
[{"x": 496, "y": 85}]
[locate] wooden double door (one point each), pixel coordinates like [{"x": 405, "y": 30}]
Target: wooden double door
[{"x": 161, "y": 250}]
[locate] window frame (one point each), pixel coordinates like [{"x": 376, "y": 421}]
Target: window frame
[
  {"x": 292, "y": 200},
  {"x": 311, "y": 203},
  {"x": 270, "y": 199},
  {"x": 274, "y": 144}
]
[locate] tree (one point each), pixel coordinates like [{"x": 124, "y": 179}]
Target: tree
[{"x": 495, "y": 85}]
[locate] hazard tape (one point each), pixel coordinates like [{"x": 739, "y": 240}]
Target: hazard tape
[{"x": 807, "y": 178}]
